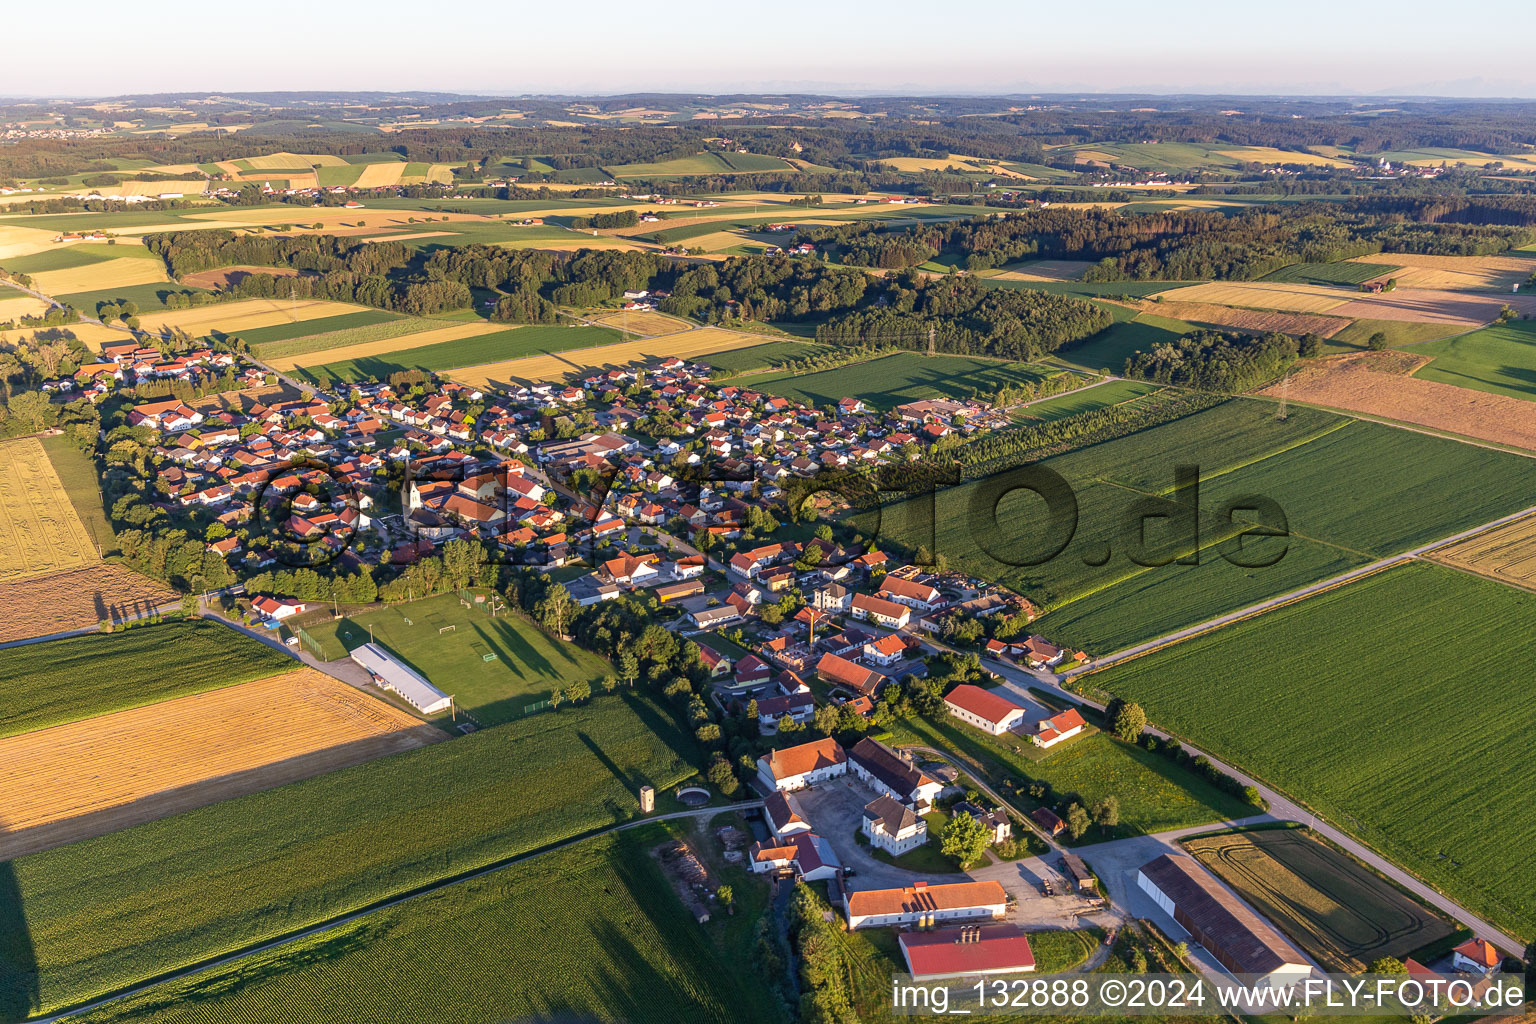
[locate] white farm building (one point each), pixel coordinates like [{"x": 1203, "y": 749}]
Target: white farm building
[{"x": 392, "y": 674}]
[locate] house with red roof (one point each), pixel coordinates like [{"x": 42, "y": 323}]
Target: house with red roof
[
  {"x": 986, "y": 710},
  {"x": 804, "y": 765},
  {"x": 1477, "y": 956},
  {"x": 1062, "y": 727}
]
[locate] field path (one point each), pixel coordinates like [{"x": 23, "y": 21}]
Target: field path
[{"x": 207, "y": 966}]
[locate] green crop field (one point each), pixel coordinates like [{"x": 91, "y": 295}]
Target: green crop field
[
  {"x": 1154, "y": 793},
  {"x": 1111, "y": 347},
  {"x": 1398, "y": 332},
  {"x": 452, "y": 355},
  {"x": 757, "y": 357},
  {"x": 301, "y": 339},
  {"x": 148, "y": 297},
  {"x": 1399, "y": 706},
  {"x": 1498, "y": 360},
  {"x": 77, "y": 472},
  {"x": 61, "y": 259},
  {"x": 594, "y": 930},
  {"x": 528, "y": 666},
  {"x": 1343, "y": 915},
  {"x": 264, "y": 339},
  {"x": 96, "y": 916},
  {"x": 1350, "y": 491},
  {"x": 81, "y": 677},
  {"x": 700, "y": 163},
  {"x": 1115, "y": 392},
  {"x": 755, "y": 162},
  {"x": 889, "y": 381},
  {"x": 1329, "y": 273}
]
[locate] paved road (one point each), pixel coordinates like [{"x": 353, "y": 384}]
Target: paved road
[
  {"x": 1281, "y": 808},
  {"x": 340, "y": 922}
]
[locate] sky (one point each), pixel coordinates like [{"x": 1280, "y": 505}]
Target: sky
[{"x": 1298, "y": 47}]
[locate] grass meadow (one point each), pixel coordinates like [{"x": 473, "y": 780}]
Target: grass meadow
[
  {"x": 1498, "y": 360},
  {"x": 1398, "y": 706},
  {"x": 96, "y": 916},
  {"x": 1111, "y": 347},
  {"x": 81, "y": 677},
  {"x": 1154, "y": 793}
]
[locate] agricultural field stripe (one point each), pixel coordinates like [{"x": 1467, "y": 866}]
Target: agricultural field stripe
[{"x": 341, "y": 921}]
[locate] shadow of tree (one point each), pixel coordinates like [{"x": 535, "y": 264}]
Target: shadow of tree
[{"x": 19, "y": 988}]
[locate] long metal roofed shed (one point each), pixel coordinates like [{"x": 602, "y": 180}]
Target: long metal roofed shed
[
  {"x": 1240, "y": 939},
  {"x": 391, "y": 674}
]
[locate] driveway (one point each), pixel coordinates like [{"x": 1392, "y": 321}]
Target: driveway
[{"x": 836, "y": 812}]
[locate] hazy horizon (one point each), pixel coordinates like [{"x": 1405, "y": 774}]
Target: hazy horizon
[{"x": 1312, "y": 48}]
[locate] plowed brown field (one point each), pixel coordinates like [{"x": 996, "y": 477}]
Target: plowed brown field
[{"x": 1377, "y": 384}]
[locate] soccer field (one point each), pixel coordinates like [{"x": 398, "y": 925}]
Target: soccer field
[{"x": 526, "y": 665}]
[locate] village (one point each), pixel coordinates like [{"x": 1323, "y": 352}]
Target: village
[{"x": 655, "y": 482}]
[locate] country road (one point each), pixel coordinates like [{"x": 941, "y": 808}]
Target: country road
[{"x": 1281, "y": 807}]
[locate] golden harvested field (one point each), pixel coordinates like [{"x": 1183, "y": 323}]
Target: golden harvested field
[
  {"x": 379, "y": 175},
  {"x": 557, "y": 366},
  {"x": 1454, "y": 272},
  {"x": 1247, "y": 319},
  {"x": 914, "y": 164},
  {"x": 1432, "y": 306},
  {"x": 40, "y": 533},
  {"x": 78, "y": 599},
  {"x": 1295, "y": 298},
  {"x": 641, "y": 322},
  {"x": 1378, "y": 384},
  {"x": 451, "y": 332},
  {"x": 245, "y": 315},
  {"x": 118, "y": 273},
  {"x": 289, "y": 161},
  {"x": 22, "y": 241},
  {"x": 1506, "y": 554},
  {"x": 84, "y": 779},
  {"x": 92, "y": 336},
  {"x": 182, "y": 170},
  {"x": 187, "y": 186},
  {"x": 1270, "y": 155},
  {"x": 14, "y": 305}
]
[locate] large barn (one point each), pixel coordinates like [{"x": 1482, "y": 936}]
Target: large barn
[{"x": 1241, "y": 940}]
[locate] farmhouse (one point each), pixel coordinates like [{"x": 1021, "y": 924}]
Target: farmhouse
[
  {"x": 784, "y": 814},
  {"x": 839, "y": 671},
  {"x": 804, "y": 854},
  {"x": 1476, "y": 955},
  {"x": 277, "y": 609},
  {"x": 884, "y": 771},
  {"x": 924, "y": 905},
  {"x": 996, "y": 823},
  {"x": 802, "y": 766},
  {"x": 1064, "y": 726},
  {"x": 893, "y": 827},
  {"x": 966, "y": 950},
  {"x": 915, "y": 595},
  {"x": 1243, "y": 942},
  {"x": 798, "y": 707},
  {"x": 984, "y": 709},
  {"x": 887, "y": 650},
  {"x": 391, "y": 674},
  {"x": 882, "y": 612}
]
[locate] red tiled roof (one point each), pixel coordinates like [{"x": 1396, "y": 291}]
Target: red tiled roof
[
  {"x": 924, "y": 897},
  {"x": 1480, "y": 951},
  {"x": 792, "y": 761},
  {"x": 982, "y": 703},
  {"x": 967, "y": 949}
]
